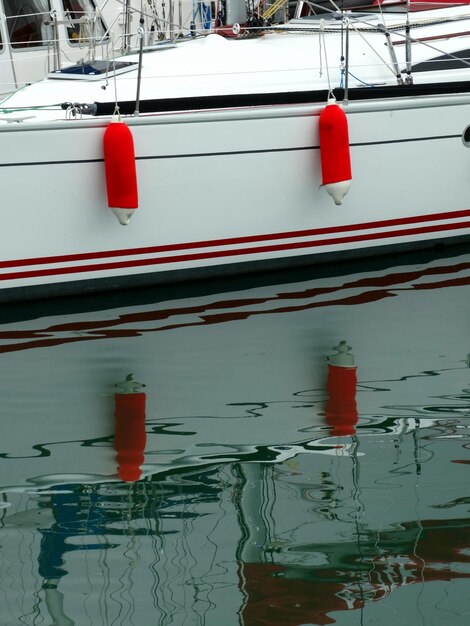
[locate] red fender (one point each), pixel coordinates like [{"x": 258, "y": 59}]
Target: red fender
[
  {"x": 121, "y": 175},
  {"x": 334, "y": 151}
]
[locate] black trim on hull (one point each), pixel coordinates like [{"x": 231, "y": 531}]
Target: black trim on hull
[
  {"x": 243, "y": 271},
  {"x": 197, "y": 155},
  {"x": 127, "y": 107}
]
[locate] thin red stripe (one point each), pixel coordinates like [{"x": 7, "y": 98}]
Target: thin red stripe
[
  {"x": 225, "y": 253},
  {"x": 67, "y": 258},
  {"x": 401, "y": 42}
]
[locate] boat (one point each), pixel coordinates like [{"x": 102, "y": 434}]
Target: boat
[{"x": 334, "y": 136}]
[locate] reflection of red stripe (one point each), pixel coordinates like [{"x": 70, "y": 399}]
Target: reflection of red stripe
[
  {"x": 44, "y": 338},
  {"x": 196, "y": 256},
  {"x": 64, "y": 258}
]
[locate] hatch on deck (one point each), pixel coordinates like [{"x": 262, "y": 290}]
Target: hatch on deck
[{"x": 94, "y": 70}]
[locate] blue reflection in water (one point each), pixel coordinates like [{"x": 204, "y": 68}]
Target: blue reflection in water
[
  {"x": 71, "y": 519},
  {"x": 306, "y": 454}
]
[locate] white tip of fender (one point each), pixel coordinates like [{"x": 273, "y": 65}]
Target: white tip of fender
[
  {"x": 338, "y": 190},
  {"x": 123, "y": 215}
]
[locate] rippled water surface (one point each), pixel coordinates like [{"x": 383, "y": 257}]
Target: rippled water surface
[{"x": 287, "y": 450}]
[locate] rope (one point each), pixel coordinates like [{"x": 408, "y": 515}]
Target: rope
[
  {"x": 367, "y": 26},
  {"x": 392, "y": 29},
  {"x": 39, "y": 107},
  {"x": 322, "y": 41},
  {"x": 361, "y": 81},
  {"x": 116, "y": 105}
]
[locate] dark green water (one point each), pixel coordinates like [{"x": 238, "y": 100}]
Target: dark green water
[{"x": 253, "y": 470}]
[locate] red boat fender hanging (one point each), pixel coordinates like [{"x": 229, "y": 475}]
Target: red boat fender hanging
[
  {"x": 334, "y": 151},
  {"x": 130, "y": 436},
  {"x": 341, "y": 408},
  {"x": 121, "y": 176}
]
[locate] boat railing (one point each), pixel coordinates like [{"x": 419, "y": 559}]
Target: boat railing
[{"x": 41, "y": 30}]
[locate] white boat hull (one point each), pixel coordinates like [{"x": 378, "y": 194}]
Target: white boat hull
[{"x": 218, "y": 188}]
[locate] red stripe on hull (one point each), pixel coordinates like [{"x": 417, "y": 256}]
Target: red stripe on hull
[
  {"x": 196, "y": 256},
  {"x": 67, "y": 258}
]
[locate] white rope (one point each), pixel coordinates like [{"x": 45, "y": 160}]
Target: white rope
[
  {"x": 116, "y": 105},
  {"x": 322, "y": 43}
]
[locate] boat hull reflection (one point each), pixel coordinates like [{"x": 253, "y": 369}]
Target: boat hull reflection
[
  {"x": 230, "y": 376},
  {"x": 297, "y": 452}
]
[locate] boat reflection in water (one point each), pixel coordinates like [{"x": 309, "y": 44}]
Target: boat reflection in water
[{"x": 297, "y": 455}]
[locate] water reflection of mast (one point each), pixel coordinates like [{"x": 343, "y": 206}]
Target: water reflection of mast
[
  {"x": 77, "y": 513},
  {"x": 272, "y": 592},
  {"x": 342, "y": 417},
  {"x": 250, "y": 502},
  {"x": 254, "y": 481}
]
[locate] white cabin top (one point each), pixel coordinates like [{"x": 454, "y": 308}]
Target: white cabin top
[{"x": 304, "y": 55}]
